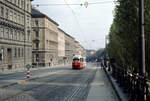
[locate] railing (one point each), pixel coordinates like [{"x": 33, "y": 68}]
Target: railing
[{"x": 137, "y": 87}]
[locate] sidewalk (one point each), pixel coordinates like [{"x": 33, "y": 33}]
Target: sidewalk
[
  {"x": 24, "y": 69},
  {"x": 119, "y": 91},
  {"x": 101, "y": 89},
  {"x": 20, "y": 76}
]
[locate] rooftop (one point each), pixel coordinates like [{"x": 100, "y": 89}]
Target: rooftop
[{"x": 37, "y": 14}]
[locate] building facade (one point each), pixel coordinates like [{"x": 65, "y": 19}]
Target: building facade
[
  {"x": 69, "y": 48},
  {"x": 61, "y": 46},
  {"x": 15, "y": 34},
  {"x": 45, "y": 40},
  {"x": 79, "y": 49}
]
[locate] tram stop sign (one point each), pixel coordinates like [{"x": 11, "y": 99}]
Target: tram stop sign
[{"x": 28, "y": 66}]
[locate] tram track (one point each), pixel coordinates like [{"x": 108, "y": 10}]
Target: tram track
[
  {"x": 29, "y": 89},
  {"x": 79, "y": 90},
  {"x": 64, "y": 78}
]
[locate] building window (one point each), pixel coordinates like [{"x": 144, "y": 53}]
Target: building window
[
  {"x": 1, "y": 11},
  {"x": 15, "y": 34},
  {"x": 11, "y": 15},
  {"x": 22, "y": 36},
  {"x": 11, "y": 1},
  {"x": 19, "y": 52},
  {"x": 19, "y": 36},
  {"x": 19, "y": 3},
  {"x": 37, "y": 57},
  {"x": 15, "y": 53},
  {"x": 1, "y": 54},
  {"x": 11, "y": 33},
  {"x": 22, "y": 4},
  {"x": 23, "y": 20},
  {"x": 6, "y": 33},
  {"x": 37, "y": 45},
  {"x": 29, "y": 53},
  {"x": 36, "y": 23},
  {"x": 15, "y": 17},
  {"x": 6, "y": 14},
  {"x": 19, "y": 19},
  {"x": 28, "y": 7},
  {"x": 14, "y": 1},
  {"x": 37, "y": 34},
  {"x": 28, "y": 21},
  {"x": 1, "y": 31},
  {"x": 22, "y": 52}
]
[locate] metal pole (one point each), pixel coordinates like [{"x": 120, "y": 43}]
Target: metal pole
[{"x": 141, "y": 38}]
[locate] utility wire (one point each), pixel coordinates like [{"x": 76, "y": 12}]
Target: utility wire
[
  {"x": 75, "y": 16},
  {"x": 73, "y": 4}
]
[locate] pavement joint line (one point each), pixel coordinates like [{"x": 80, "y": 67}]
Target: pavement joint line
[{"x": 27, "y": 80}]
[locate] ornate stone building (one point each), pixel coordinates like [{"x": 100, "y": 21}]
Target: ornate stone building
[
  {"x": 79, "y": 49},
  {"x": 61, "y": 46},
  {"x": 45, "y": 39},
  {"x": 15, "y": 34},
  {"x": 69, "y": 47}
]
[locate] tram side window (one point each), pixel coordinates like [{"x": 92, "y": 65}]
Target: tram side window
[{"x": 81, "y": 59}]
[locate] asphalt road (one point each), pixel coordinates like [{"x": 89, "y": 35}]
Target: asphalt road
[
  {"x": 62, "y": 85},
  {"x": 58, "y": 84},
  {"x": 21, "y": 75},
  {"x": 6, "y": 79}
]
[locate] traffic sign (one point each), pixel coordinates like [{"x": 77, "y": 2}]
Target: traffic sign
[{"x": 28, "y": 66}]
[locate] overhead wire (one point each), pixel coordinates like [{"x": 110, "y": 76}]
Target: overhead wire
[
  {"x": 73, "y": 4},
  {"x": 75, "y": 16}
]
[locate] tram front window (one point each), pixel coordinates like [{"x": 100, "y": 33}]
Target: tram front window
[{"x": 75, "y": 60}]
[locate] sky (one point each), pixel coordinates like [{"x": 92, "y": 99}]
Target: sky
[{"x": 88, "y": 25}]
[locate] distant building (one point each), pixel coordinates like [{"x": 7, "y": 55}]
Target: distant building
[
  {"x": 15, "y": 34},
  {"x": 79, "y": 49},
  {"x": 90, "y": 52},
  {"x": 69, "y": 47},
  {"x": 61, "y": 46},
  {"x": 45, "y": 39}
]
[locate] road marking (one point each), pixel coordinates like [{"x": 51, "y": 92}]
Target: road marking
[
  {"x": 60, "y": 84},
  {"x": 21, "y": 82},
  {"x": 97, "y": 84}
]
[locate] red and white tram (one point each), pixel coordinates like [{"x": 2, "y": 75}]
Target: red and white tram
[{"x": 78, "y": 62}]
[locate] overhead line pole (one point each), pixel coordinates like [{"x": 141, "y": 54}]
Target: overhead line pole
[{"x": 141, "y": 39}]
